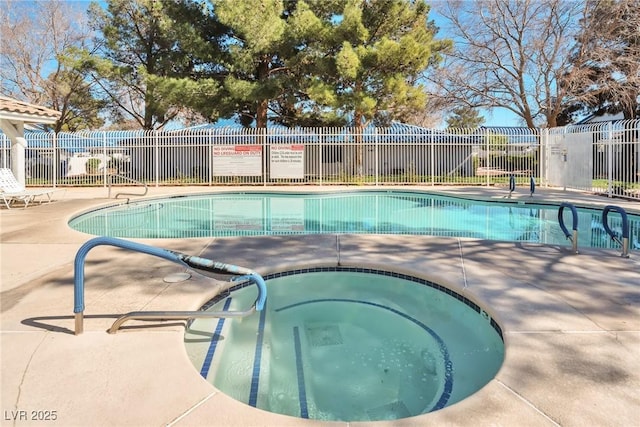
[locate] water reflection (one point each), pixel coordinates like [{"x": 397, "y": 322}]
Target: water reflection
[{"x": 369, "y": 212}]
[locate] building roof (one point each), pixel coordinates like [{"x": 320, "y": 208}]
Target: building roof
[
  {"x": 598, "y": 118},
  {"x": 18, "y": 111}
]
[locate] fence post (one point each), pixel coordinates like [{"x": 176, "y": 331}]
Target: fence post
[
  {"x": 610, "y": 159},
  {"x": 486, "y": 159},
  {"x": 210, "y": 158},
  {"x": 5, "y": 145},
  {"x": 542, "y": 156},
  {"x": 263, "y": 135},
  {"x": 56, "y": 158},
  {"x": 322, "y": 138},
  {"x": 104, "y": 156},
  {"x": 376, "y": 146},
  {"x": 156, "y": 157},
  {"x": 432, "y": 159}
]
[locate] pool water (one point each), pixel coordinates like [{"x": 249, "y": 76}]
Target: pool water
[
  {"x": 348, "y": 344},
  {"x": 371, "y": 212}
]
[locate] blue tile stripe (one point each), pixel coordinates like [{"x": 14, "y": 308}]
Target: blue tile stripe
[
  {"x": 213, "y": 344},
  {"x": 428, "y": 283},
  {"x": 433, "y": 285},
  {"x": 448, "y": 365},
  {"x": 255, "y": 376},
  {"x": 302, "y": 389}
]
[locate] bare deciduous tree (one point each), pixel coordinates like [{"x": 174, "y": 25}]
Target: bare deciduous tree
[
  {"x": 508, "y": 54},
  {"x": 605, "y": 76},
  {"x": 431, "y": 116},
  {"x": 36, "y": 39}
]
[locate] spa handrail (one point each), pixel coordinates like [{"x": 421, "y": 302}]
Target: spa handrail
[
  {"x": 574, "y": 214},
  {"x": 532, "y": 186},
  {"x": 625, "y": 228},
  {"x": 240, "y": 273},
  {"x": 126, "y": 178},
  {"x": 512, "y": 184}
]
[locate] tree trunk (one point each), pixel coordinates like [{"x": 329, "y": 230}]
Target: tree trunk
[
  {"x": 148, "y": 110},
  {"x": 261, "y": 114},
  {"x": 263, "y": 104},
  {"x": 359, "y": 153}
]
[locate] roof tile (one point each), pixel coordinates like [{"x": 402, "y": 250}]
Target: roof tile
[{"x": 15, "y": 106}]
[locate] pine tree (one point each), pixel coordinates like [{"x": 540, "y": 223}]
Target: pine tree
[
  {"x": 465, "y": 118},
  {"x": 365, "y": 59},
  {"x": 255, "y": 61},
  {"x": 142, "y": 68}
]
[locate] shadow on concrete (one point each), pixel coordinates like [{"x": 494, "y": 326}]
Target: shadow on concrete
[{"x": 41, "y": 323}]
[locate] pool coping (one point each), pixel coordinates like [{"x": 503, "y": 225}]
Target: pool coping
[{"x": 571, "y": 349}]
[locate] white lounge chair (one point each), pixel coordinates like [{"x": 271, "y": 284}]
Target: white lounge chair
[{"x": 12, "y": 191}]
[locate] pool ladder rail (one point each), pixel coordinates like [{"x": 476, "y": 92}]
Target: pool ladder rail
[
  {"x": 240, "y": 275},
  {"x": 125, "y": 178},
  {"x": 622, "y": 239},
  {"x": 573, "y": 236},
  {"x": 512, "y": 185}
]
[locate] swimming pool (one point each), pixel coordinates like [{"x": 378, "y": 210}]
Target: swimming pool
[
  {"x": 348, "y": 344},
  {"x": 364, "y": 211}
]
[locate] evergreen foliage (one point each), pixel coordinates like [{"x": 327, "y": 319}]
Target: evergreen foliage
[
  {"x": 293, "y": 62},
  {"x": 364, "y": 59},
  {"x": 142, "y": 63},
  {"x": 465, "y": 118}
]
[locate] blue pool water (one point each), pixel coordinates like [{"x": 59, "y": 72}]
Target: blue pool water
[
  {"x": 375, "y": 212},
  {"x": 348, "y": 344}
]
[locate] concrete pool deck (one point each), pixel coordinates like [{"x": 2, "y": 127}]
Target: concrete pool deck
[{"x": 571, "y": 322}]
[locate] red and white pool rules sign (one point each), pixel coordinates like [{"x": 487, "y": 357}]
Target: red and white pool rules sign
[
  {"x": 237, "y": 160},
  {"x": 287, "y": 161}
]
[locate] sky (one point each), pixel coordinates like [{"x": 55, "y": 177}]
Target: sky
[{"x": 501, "y": 117}]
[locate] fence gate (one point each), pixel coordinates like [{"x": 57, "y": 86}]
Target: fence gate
[{"x": 569, "y": 159}]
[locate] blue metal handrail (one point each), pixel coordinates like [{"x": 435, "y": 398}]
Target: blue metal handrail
[
  {"x": 240, "y": 273},
  {"x": 625, "y": 227},
  {"x": 532, "y": 186},
  {"x": 574, "y": 213},
  {"x": 512, "y": 184}
]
